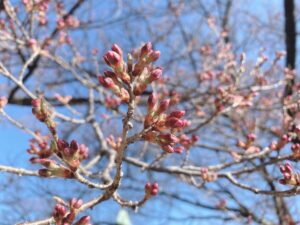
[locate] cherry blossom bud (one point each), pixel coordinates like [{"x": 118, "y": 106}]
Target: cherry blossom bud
[
  {"x": 251, "y": 137},
  {"x": 112, "y": 58},
  {"x": 76, "y": 203},
  {"x": 155, "y": 74},
  {"x": 74, "y": 146},
  {"x": 83, "y": 151},
  {"x": 168, "y": 138},
  {"x": 36, "y": 102},
  {"x": 59, "y": 211},
  {"x": 154, "y": 189},
  {"x": 179, "y": 149},
  {"x": 62, "y": 144},
  {"x": 151, "y": 189},
  {"x": 153, "y": 56},
  {"x": 174, "y": 122},
  {"x": 117, "y": 49},
  {"x": 60, "y": 24},
  {"x": 163, "y": 106},
  {"x": 146, "y": 49},
  {"x": 168, "y": 148},
  {"x": 32, "y": 42},
  {"x": 178, "y": 114},
  {"x": 3, "y": 102},
  {"x": 106, "y": 81}
]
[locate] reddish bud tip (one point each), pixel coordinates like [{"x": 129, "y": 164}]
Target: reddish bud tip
[
  {"x": 117, "y": 49},
  {"x": 106, "y": 81},
  {"x": 146, "y": 49},
  {"x": 154, "y": 55},
  {"x": 155, "y": 74},
  {"x": 163, "y": 106},
  {"x": 112, "y": 58}
]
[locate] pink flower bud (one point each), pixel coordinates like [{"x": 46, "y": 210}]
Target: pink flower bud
[
  {"x": 76, "y": 203},
  {"x": 83, "y": 151},
  {"x": 62, "y": 144},
  {"x": 178, "y": 150},
  {"x": 163, "y": 106},
  {"x": 168, "y": 138},
  {"x": 106, "y": 81},
  {"x": 117, "y": 49},
  {"x": 289, "y": 167},
  {"x": 251, "y": 137},
  {"x": 174, "y": 122},
  {"x": 112, "y": 58},
  {"x": 3, "y": 102},
  {"x": 178, "y": 114},
  {"x": 146, "y": 49},
  {"x": 74, "y": 146},
  {"x": 36, "y": 102},
  {"x": 168, "y": 148},
  {"x": 154, "y": 55},
  {"x": 148, "y": 186},
  {"x": 59, "y": 211},
  {"x": 32, "y": 42},
  {"x": 155, "y": 74}
]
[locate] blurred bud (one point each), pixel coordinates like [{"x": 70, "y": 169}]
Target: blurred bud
[
  {"x": 106, "y": 81},
  {"x": 74, "y": 146},
  {"x": 112, "y": 58},
  {"x": 59, "y": 211},
  {"x": 3, "y": 102},
  {"x": 163, "y": 106},
  {"x": 155, "y": 74},
  {"x": 117, "y": 49},
  {"x": 76, "y": 203},
  {"x": 146, "y": 49},
  {"x": 154, "y": 55},
  {"x": 178, "y": 114}
]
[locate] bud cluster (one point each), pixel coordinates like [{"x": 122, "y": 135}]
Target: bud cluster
[
  {"x": 289, "y": 177},
  {"x": 158, "y": 122},
  {"x": 248, "y": 145},
  {"x": 69, "y": 22},
  {"x": 115, "y": 144},
  {"x": 41, "y": 7},
  {"x": 72, "y": 153},
  {"x": 64, "y": 216},
  {"x": 151, "y": 189},
  {"x": 277, "y": 145},
  {"x": 141, "y": 74},
  {"x": 40, "y": 146},
  {"x": 207, "y": 175}
]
